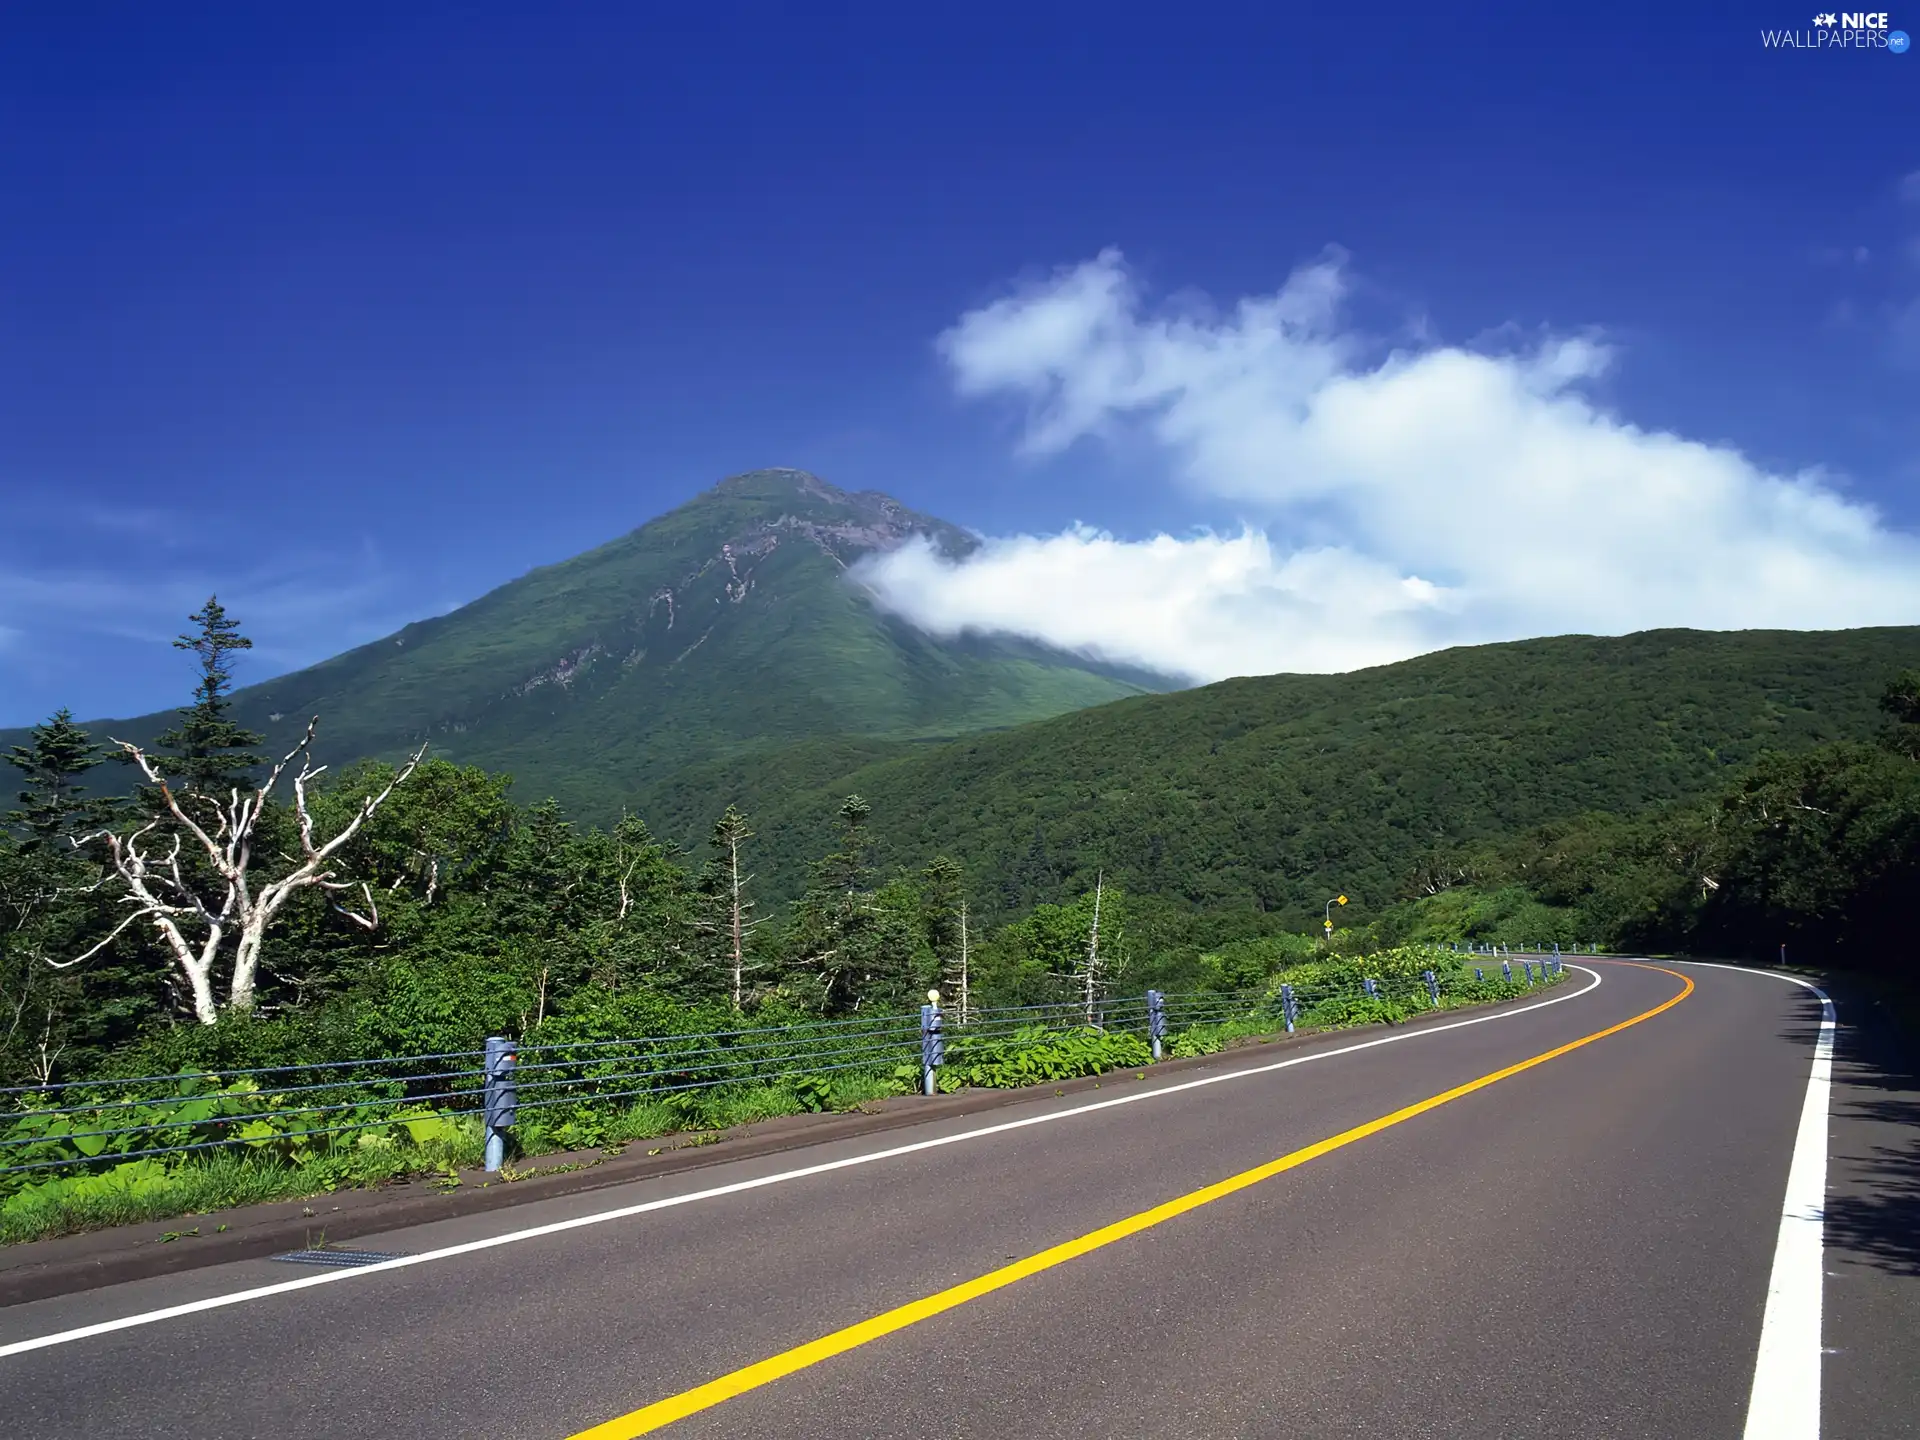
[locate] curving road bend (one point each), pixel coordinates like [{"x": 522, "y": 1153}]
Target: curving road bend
[{"x": 1582, "y": 1246}]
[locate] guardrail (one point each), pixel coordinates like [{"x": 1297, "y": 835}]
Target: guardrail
[{"x": 78, "y": 1126}]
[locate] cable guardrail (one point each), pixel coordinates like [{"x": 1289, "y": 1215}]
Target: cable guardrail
[{"x": 74, "y": 1126}]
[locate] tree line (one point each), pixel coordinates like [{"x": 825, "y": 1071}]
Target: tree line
[
  {"x": 223, "y": 906},
  {"x": 202, "y": 903}
]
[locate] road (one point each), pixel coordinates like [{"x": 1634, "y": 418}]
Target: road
[{"x": 1579, "y": 1247}]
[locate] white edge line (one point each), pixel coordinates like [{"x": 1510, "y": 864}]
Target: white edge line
[
  {"x": 330, "y": 1277},
  {"x": 1784, "y": 1403}
]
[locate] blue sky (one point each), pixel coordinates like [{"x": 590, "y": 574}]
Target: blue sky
[{"x": 354, "y": 313}]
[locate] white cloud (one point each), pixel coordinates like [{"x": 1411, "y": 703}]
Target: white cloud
[
  {"x": 1396, "y": 502},
  {"x": 1208, "y": 605}
]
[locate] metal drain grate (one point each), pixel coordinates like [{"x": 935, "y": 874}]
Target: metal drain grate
[{"x": 340, "y": 1258}]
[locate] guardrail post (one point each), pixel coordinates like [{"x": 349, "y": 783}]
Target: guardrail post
[
  {"x": 1433, "y": 988},
  {"x": 1506, "y": 969},
  {"x": 1372, "y": 992},
  {"x": 1526, "y": 968},
  {"x": 1156, "y": 1020},
  {"x": 933, "y": 1048},
  {"x": 1289, "y": 1010},
  {"x": 1479, "y": 974},
  {"x": 501, "y": 1099}
]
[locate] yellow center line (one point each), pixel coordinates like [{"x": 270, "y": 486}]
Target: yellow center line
[{"x": 751, "y": 1377}]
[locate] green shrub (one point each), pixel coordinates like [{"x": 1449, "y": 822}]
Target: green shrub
[
  {"x": 1034, "y": 1055},
  {"x": 1341, "y": 1012},
  {"x": 151, "y": 1188},
  {"x": 1207, "y": 1039},
  {"x": 205, "y": 1111}
]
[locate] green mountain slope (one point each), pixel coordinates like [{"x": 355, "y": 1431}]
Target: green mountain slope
[
  {"x": 1272, "y": 794},
  {"x": 708, "y": 635}
]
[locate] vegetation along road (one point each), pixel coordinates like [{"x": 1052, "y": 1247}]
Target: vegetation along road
[{"x": 1560, "y": 1218}]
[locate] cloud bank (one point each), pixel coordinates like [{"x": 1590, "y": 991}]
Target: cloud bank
[{"x": 1395, "y": 502}]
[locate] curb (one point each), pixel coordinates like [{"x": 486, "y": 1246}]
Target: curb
[{"x": 41, "y": 1269}]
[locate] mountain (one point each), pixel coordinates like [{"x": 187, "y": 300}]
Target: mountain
[
  {"x": 713, "y": 634},
  {"x": 1266, "y": 796},
  {"x": 719, "y": 654}
]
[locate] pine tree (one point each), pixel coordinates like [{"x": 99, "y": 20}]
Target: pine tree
[
  {"x": 53, "y": 804},
  {"x": 838, "y": 933},
  {"x": 943, "y": 910},
  {"x": 845, "y": 870},
  {"x": 209, "y": 753}
]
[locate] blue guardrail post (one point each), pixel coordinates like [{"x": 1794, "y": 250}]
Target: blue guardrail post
[
  {"x": 1373, "y": 992},
  {"x": 1289, "y": 1011},
  {"x": 1156, "y": 1020},
  {"x": 1433, "y": 987},
  {"x": 1506, "y": 969},
  {"x": 501, "y": 1100},
  {"x": 933, "y": 1049}
]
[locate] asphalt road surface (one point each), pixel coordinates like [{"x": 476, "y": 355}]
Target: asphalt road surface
[{"x": 1378, "y": 1234}]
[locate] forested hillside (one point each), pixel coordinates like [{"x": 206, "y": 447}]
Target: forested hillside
[
  {"x": 1671, "y": 787},
  {"x": 1265, "y": 796}
]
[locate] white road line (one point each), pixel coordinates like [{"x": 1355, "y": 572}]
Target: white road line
[
  {"x": 335, "y": 1277},
  {"x": 1785, "y": 1401}
]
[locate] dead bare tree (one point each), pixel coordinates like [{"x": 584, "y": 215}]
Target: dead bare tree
[
  {"x": 730, "y": 834},
  {"x": 1090, "y": 972},
  {"x": 966, "y": 993},
  {"x": 49, "y": 1053},
  {"x": 186, "y": 873}
]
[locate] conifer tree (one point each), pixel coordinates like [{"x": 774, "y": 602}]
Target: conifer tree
[
  {"x": 839, "y": 934},
  {"x": 943, "y": 910},
  {"x": 54, "y": 803},
  {"x": 207, "y": 752}
]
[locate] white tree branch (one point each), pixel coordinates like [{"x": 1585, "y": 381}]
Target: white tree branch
[{"x": 164, "y": 894}]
